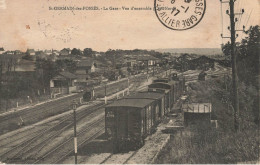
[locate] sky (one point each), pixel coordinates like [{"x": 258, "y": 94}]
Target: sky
[{"x": 30, "y": 24}]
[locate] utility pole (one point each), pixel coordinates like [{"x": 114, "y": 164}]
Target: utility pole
[
  {"x": 105, "y": 93},
  {"x": 74, "y": 106},
  {"x": 234, "y": 60},
  {"x": 147, "y": 67},
  {"x": 234, "y": 65}
]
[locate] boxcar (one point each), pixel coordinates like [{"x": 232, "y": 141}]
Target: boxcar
[
  {"x": 128, "y": 122},
  {"x": 159, "y": 103},
  {"x": 167, "y": 89}
]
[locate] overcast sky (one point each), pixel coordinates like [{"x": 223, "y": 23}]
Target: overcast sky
[{"x": 101, "y": 30}]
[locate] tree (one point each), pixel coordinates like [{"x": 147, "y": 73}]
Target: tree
[
  {"x": 76, "y": 51},
  {"x": 248, "y": 56},
  {"x": 48, "y": 70},
  {"x": 88, "y": 52},
  {"x": 248, "y": 61},
  {"x": 66, "y": 65}
]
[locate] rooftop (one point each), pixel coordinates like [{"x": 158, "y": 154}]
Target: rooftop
[
  {"x": 197, "y": 108},
  {"x": 137, "y": 103},
  {"x": 66, "y": 75},
  {"x": 86, "y": 62},
  {"x": 146, "y": 95}
]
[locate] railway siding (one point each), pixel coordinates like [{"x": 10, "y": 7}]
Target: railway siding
[{"x": 153, "y": 145}]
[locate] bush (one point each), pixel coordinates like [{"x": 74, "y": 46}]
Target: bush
[{"x": 222, "y": 145}]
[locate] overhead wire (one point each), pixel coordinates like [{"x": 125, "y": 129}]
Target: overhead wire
[
  {"x": 222, "y": 22},
  {"x": 240, "y": 16},
  {"x": 247, "y": 20}
]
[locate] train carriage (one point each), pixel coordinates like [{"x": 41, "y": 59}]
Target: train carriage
[
  {"x": 128, "y": 122},
  {"x": 167, "y": 89},
  {"x": 159, "y": 101}
]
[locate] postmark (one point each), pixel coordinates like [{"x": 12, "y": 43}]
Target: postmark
[{"x": 180, "y": 14}]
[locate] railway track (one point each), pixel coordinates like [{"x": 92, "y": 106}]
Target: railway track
[
  {"x": 24, "y": 152},
  {"x": 32, "y": 115},
  {"x": 17, "y": 135},
  {"x": 60, "y": 152},
  {"x": 37, "y": 141}
]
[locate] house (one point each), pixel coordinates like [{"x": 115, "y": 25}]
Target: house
[
  {"x": 2, "y": 50},
  {"x": 202, "y": 62},
  {"x": 63, "y": 83},
  {"x": 17, "y": 52},
  {"x": 31, "y": 52},
  {"x": 86, "y": 66},
  {"x": 84, "y": 69},
  {"x": 65, "y": 52},
  {"x": 131, "y": 62},
  {"x": 48, "y": 52},
  {"x": 9, "y": 52},
  {"x": 148, "y": 59}
]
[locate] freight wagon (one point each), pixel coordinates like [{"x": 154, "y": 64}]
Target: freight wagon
[
  {"x": 167, "y": 89},
  {"x": 159, "y": 101},
  {"x": 129, "y": 121}
]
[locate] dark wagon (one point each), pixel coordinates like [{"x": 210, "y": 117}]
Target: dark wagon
[
  {"x": 159, "y": 103},
  {"x": 128, "y": 122},
  {"x": 167, "y": 89}
]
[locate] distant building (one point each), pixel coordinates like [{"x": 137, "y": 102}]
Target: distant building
[
  {"x": 48, "y": 52},
  {"x": 63, "y": 83},
  {"x": 17, "y": 52},
  {"x": 65, "y": 52},
  {"x": 86, "y": 66},
  {"x": 9, "y": 52},
  {"x": 131, "y": 62},
  {"x": 31, "y": 52},
  {"x": 148, "y": 58},
  {"x": 2, "y": 50},
  {"x": 202, "y": 62}
]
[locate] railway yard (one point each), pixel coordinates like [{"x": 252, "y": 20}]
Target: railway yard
[{"x": 44, "y": 133}]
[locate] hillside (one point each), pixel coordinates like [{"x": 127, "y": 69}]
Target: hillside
[{"x": 198, "y": 51}]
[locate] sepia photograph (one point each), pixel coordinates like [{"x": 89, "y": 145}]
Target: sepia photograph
[{"x": 129, "y": 82}]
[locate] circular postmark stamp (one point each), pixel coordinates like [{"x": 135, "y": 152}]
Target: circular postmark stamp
[{"x": 180, "y": 14}]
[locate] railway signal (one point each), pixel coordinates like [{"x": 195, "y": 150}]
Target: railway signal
[{"x": 74, "y": 106}]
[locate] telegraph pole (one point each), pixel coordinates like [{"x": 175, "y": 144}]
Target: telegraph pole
[
  {"x": 234, "y": 65},
  {"x": 234, "y": 60},
  {"x": 74, "y": 106},
  {"x": 105, "y": 93}
]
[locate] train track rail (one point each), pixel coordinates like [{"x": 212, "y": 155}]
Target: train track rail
[
  {"x": 17, "y": 135},
  {"x": 24, "y": 151},
  {"x": 26, "y": 146},
  {"x": 59, "y": 153}
]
